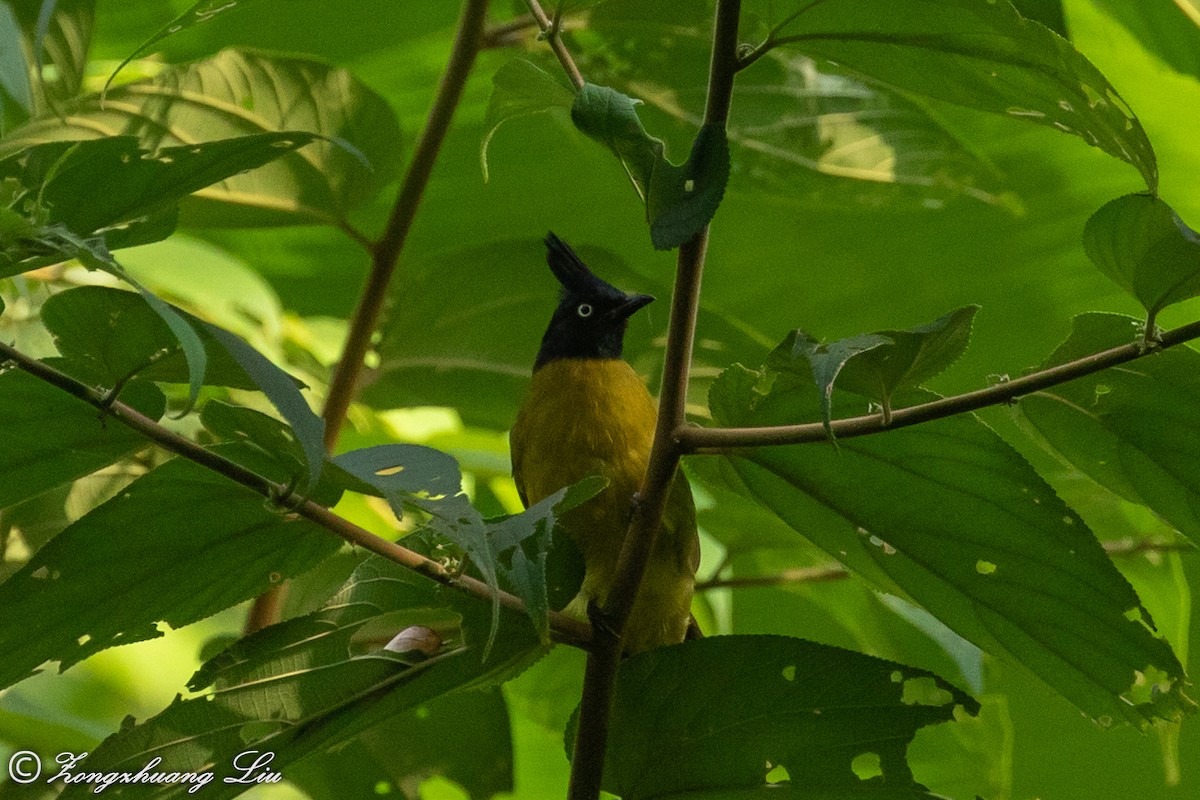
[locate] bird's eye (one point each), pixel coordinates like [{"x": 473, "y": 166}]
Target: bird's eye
[{"x": 584, "y": 310}]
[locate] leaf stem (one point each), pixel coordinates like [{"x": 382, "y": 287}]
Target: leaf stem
[
  {"x": 719, "y": 440},
  {"x": 609, "y": 622},
  {"x": 550, "y": 30},
  {"x": 566, "y": 629},
  {"x": 385, "y": 253}
]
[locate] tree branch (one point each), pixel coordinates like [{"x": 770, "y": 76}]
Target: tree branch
[
  {"x": 385, "y": 253},
  {"x": 567, "y": 630},
  {"x": 718, "y": 440},
  {"x": 550, "y": 30},
  {"x": 609, "y": 623}
]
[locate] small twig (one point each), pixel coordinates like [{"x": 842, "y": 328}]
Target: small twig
[
  {"x": 385, "y": 253},
  {"x": 719, "y": 440},
  {"x": 566, "y": 629},
  {"x": 609, "y": 623},
  {"x": 502, "y": 34},
  {"x": 550, "y": 30}
]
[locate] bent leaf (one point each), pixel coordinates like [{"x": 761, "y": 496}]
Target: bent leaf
[
  {"x": 177, "y": 545},
  {"x": 1145, "y": 248},
  {"x": 236, "y": 94},
  {"x": 983, "y": 55},
  {"x": 520, "y": 88},
  {"x": 1135, "y": 429},
  {"x": 827, "y": 361},
  {"x": 746, "y": 715},
  {"x": 951, "y": 516}
]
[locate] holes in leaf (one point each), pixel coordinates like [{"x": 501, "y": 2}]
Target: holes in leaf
[
  {"x": 984, "y": 567},
  {"x": 382, "y": 788},
  {"x": 1148, "y": 685},
  {"x": 866, "y": 766},
  {"x": 789, "y": 673},
  {"x": 924, "y": 691},
  {"x": 897, "y": 676},
  {"x": 777, "y": 774},
  {"x": 385, "y": 472},
  {"x": 82, "y": 640}
]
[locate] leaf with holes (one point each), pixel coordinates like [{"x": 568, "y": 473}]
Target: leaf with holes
[
  {"x": 177, "y": 545},
  {"x": 683, "y": 199},
  {"x": 980, "y": 55},
  {"x": 353, "y": 133},
  {"x": 743, "y": 715},
  {"x": 1141, "y": 244},
  {"x": 951, "y": 516},
  {"x": 520, "y": 88},
  {"x": 312, "y": 683},
  {"x": 1135, "y": 429}
]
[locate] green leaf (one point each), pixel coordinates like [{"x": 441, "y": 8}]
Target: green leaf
[
  {"x": 236, "y": 94},
  {"x": 682, "y": 200},
  {"x": 1134, "y": 429},
  {"x": 827, "y": 361},
  {"x": 50, "y": 438},
  {"x": 284, "y": 393},
  {"x": 949, "y": 515},
  {"x": 1145, "y": 248},
  {"x": 520, "y": 88},
  {"x": 744, "y": 716},
  {"x": 310, "y": 684},
  {"x": 980, "y": 55},
  {"x": 177, "y": 545},
  {"x": 14, "y": 72},
  {"x": 198, "y": 12},
  {"x": 109, "y": 334},
  {"x": 141, "y": 187}
]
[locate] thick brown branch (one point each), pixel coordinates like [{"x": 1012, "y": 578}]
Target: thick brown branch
[
  {"x": 385, "y": 253},
  {"x": 591, "y": 741},
  {"x": 567, "y": 630},
  {"x": 717, "y": 440}
]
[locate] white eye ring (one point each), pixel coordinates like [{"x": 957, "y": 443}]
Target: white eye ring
[{"x": 584, "y": 310}]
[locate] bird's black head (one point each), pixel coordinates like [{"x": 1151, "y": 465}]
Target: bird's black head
[{"x": 591, "y": 315}]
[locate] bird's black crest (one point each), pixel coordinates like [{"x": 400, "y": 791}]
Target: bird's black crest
[{"x": 571, "y": 272}]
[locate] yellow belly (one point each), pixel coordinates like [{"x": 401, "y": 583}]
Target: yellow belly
[{"x": 595, "y": 417}]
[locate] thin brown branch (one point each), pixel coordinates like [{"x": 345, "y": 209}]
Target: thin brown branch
[
  {"x": 566, "y": 629},
  {"x": 385, "y": 253},
  {"x": 551, "y": 31},
  {"x": 609, "y": 623},
  {"x": 717, "y": 440}
]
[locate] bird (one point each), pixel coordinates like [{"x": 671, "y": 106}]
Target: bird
[{"x": 587, "y": 412}]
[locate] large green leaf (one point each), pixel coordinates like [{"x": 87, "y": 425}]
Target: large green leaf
[
  {"x": 141, "y": 190},
  {"x": 1135, "y": 429},
  {"x": 43, "y": 54},
  {"x": 237, "y": 94},
  {"x": 950, "y": 515},
  {"x": 1141, "y": 244},
  {"x": 983, "y": 55},
  {"x": 1168, "y": 28},
  {"x": 177, "y": 545},
  {"x": 49, "y": 437},
  {"x": 520, "y": 88},
  {"x": 742, "y": 716},
  {"x": 312, "y": 683}
]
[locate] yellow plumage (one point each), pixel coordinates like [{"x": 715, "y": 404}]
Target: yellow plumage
[{"x": 593, "y": 416}]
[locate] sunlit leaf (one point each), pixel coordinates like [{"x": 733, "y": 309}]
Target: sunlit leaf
[
  {"x": 976, "y": 54},
  {"x": 1135, "y": 429},
  {"x": 1168, "y": 28},
  {"x": 237, "y": 94}
]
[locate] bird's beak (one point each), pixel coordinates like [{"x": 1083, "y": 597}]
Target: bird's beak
[{"x": 632, "y": 303}]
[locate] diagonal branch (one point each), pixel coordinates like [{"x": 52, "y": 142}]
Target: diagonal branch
[
  {"x": 566, "y": 629},
  {"x": 717, "y": 440},
  {"x": 553, "y": 34},
  {"x": 385, "y": 253}
]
